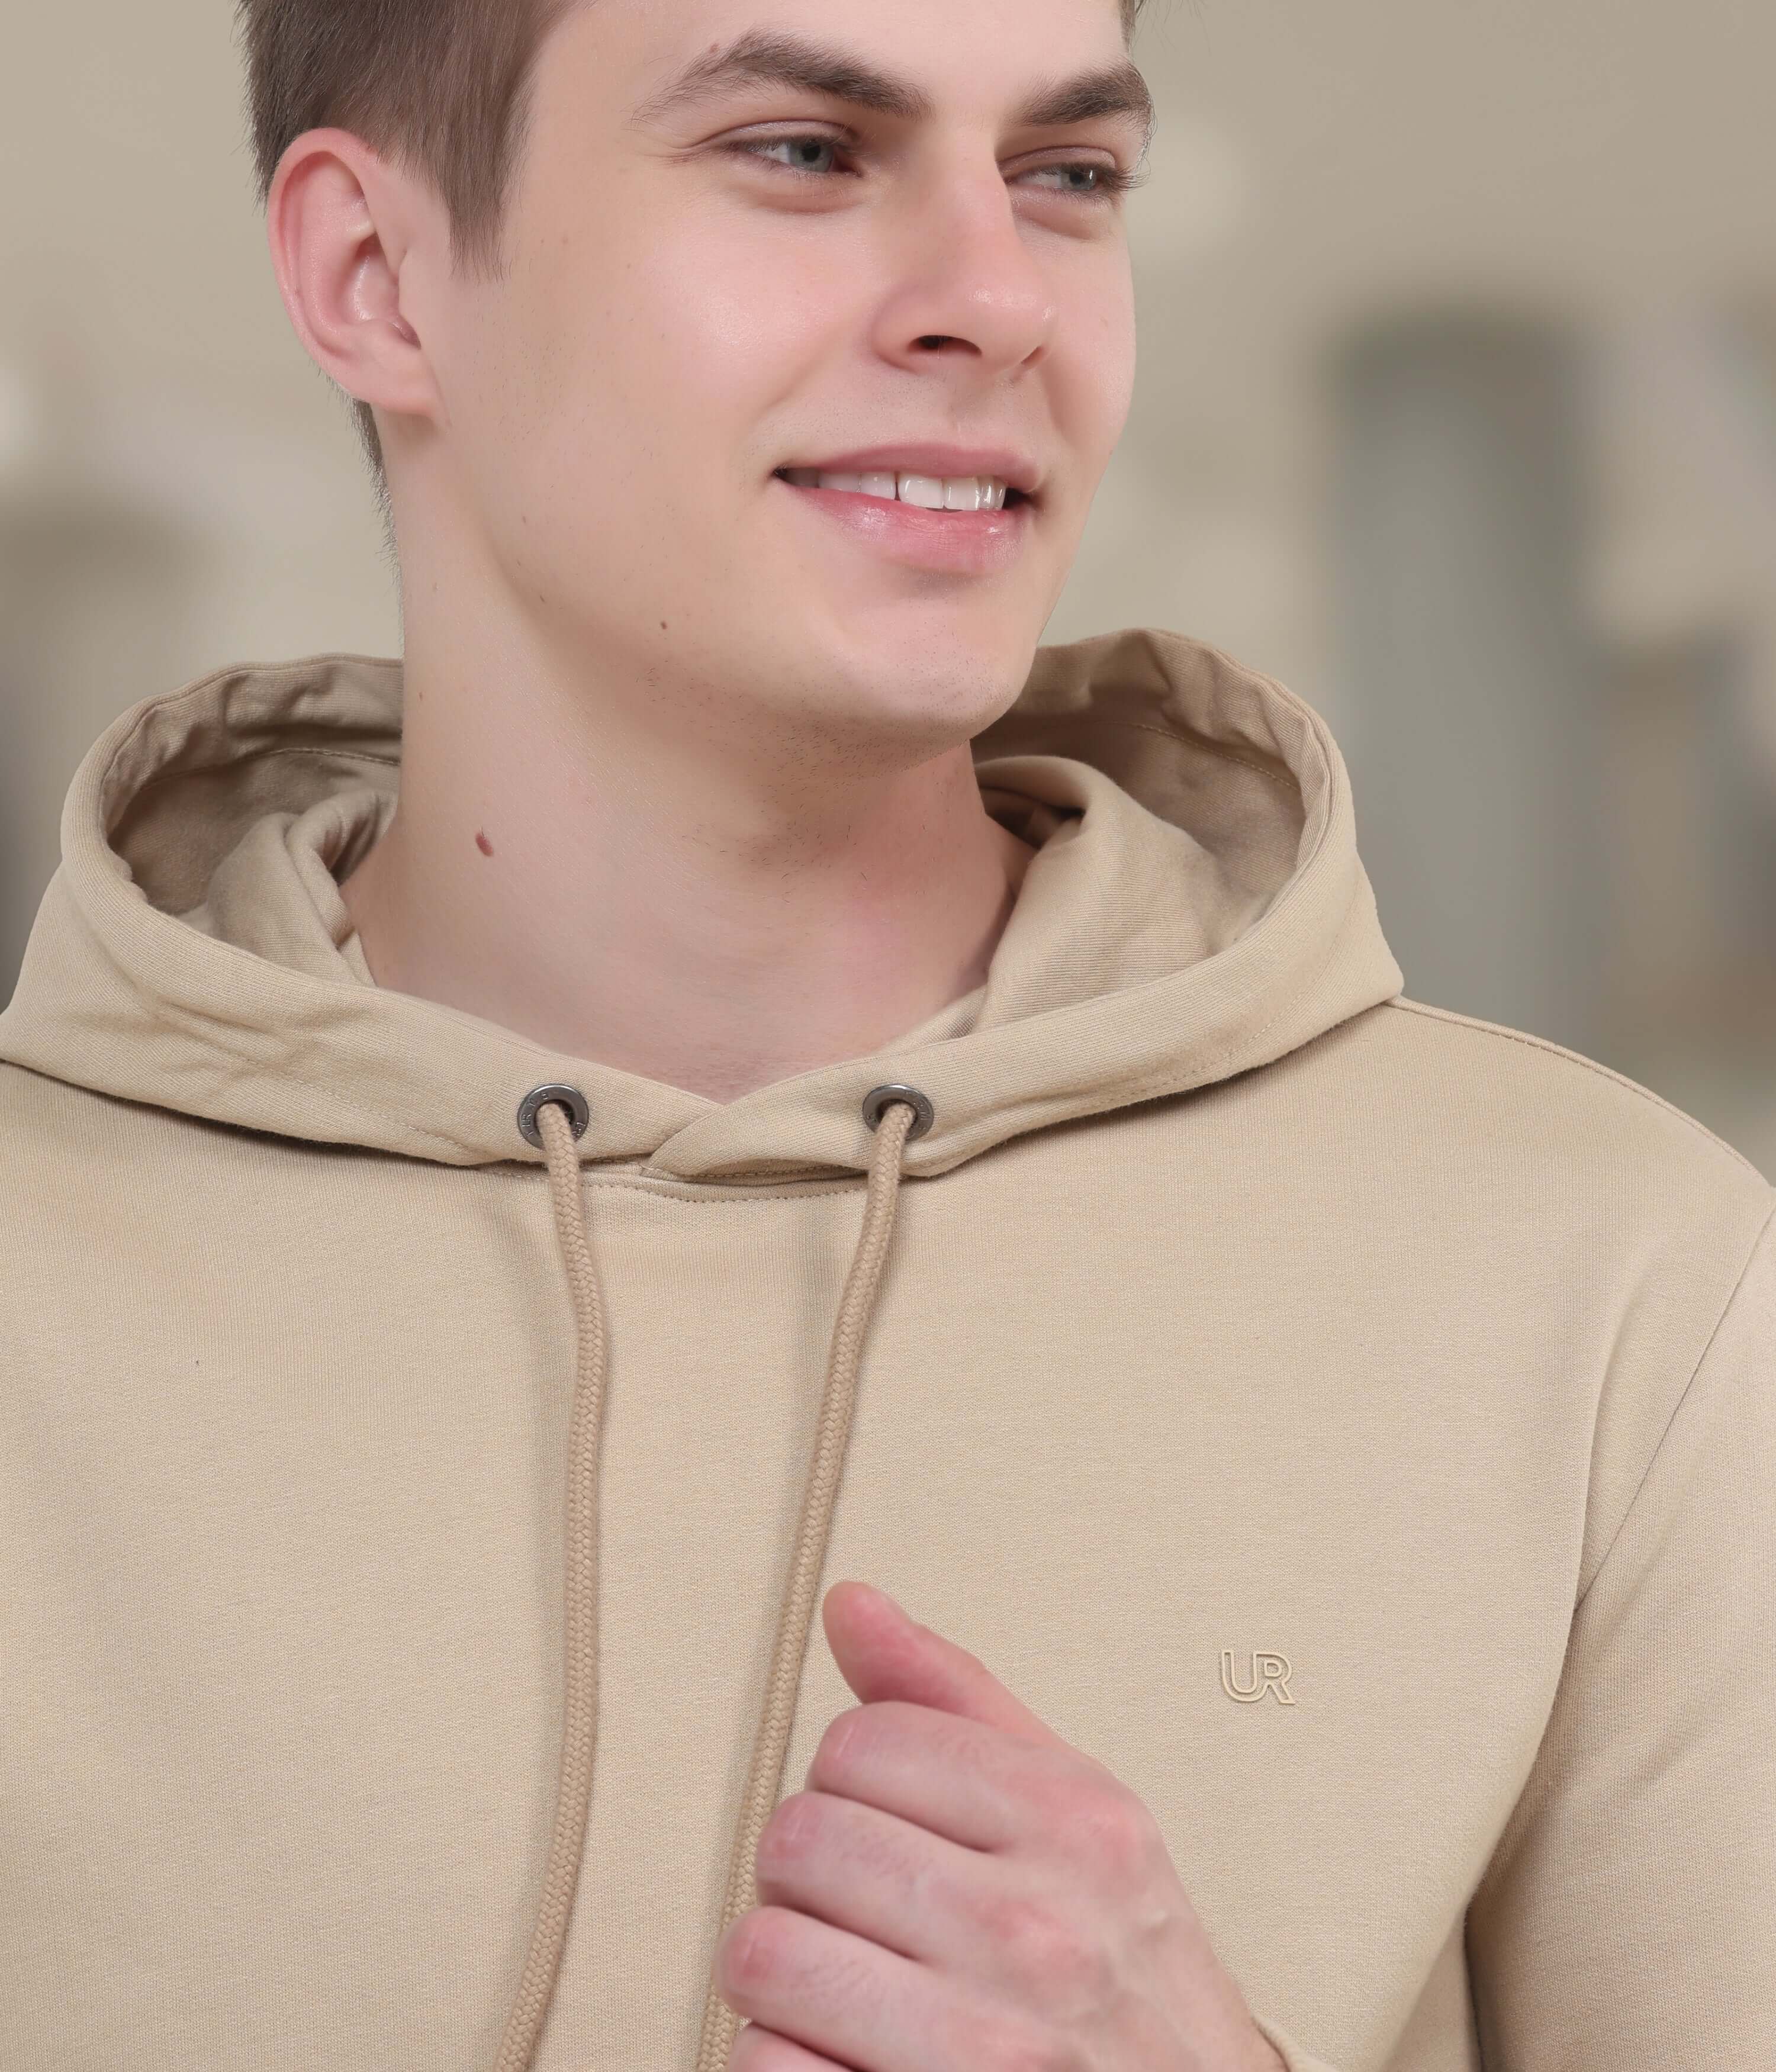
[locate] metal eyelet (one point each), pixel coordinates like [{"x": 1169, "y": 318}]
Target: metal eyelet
[
  {"x": 579, "y": 1110},
  {"x": 878, "y": 1098}
]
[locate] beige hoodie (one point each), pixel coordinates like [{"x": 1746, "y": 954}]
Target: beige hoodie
[{"x": 1352, "y": 1423}]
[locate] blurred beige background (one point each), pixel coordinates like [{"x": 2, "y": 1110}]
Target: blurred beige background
[{"x": 1456, "y": 412}]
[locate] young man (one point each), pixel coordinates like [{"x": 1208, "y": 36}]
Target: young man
[{"x": 731, "y": 1077}]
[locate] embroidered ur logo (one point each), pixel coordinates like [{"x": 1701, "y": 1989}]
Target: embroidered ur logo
[{"x": 1268, "y": 1672}]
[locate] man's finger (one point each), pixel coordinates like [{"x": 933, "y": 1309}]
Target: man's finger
[
  {"x": 756, "y": 2050},
  {"x": 882, "y": 1653},
  {"x": 955, "y": 1777}
]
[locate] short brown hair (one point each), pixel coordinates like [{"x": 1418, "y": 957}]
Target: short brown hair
[{"x": 441, "y": 85}]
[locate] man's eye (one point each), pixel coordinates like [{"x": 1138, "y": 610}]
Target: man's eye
[
  {"x": 799, "y": 148},
  {"x": 1108, "y": 181},
  {"x": 1100, "y": 181}
]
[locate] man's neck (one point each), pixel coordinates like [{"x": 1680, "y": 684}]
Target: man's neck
[{"x": 711, "y": 923}]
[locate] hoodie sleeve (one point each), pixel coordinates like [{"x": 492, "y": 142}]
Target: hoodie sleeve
[{"x": 1626, "y": 1918}]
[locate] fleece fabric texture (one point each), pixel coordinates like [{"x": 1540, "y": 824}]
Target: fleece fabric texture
[{"x": 1353, "y": 1423}]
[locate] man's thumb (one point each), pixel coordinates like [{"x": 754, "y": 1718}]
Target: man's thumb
[{"x": 882, "y": 1653}]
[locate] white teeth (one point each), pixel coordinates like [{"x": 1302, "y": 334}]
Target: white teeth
[
  {"x": 926, "y": 490},
  {"x": 929, "y": 493}
]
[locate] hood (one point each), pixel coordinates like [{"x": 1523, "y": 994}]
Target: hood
[{"x": 1196, "y": 907}]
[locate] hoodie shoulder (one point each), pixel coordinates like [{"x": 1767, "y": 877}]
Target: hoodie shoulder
[
  {"x": 34, "y": 1110},
  {"x": 62, "y": 1139},
  {"x": 1508, "y": 1091},
  {"x": 1551, "y": 1226}
]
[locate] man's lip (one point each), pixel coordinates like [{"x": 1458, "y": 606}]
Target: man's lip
[
  {"x": 1014, "y": 470},
  {"x": 966, "y": 543}
]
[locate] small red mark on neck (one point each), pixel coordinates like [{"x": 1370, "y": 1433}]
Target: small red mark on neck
[{"x": 483, "y": 844}]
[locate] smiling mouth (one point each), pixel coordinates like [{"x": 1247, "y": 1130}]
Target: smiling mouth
[{"x": 925, "y": 492}]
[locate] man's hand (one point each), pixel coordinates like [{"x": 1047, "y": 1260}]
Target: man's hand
[{"x": 958, "y": 1889}]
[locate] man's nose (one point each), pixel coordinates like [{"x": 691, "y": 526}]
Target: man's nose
[{"x": 967, "y": 281}]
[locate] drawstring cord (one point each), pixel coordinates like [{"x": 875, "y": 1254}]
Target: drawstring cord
[
  {"x": 896, "y": 1114},
  {"x": 772, "y": 1744},
  {"x": 580, "y": 1730}
]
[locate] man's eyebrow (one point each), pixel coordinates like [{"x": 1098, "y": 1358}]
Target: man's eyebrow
[{"x": 776, "y": 58}]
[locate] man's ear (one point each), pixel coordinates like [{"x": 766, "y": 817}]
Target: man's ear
[{"x": 340, "y": 225}]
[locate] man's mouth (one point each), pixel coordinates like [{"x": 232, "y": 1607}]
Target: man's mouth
[
  {"x": 925, "y": 492},
  {"x": 976, "y": 525}
]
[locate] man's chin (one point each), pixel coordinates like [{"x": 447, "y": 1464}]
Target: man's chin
[
  {"x": 923, "y": 684},
  {"x": 937, "y": 629}
]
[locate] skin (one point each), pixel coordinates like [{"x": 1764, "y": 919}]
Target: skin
[
  {"x": 719, "y": 752},
  {"x": 686, "y": 788},
  {"x": 957, "y": 1888}
]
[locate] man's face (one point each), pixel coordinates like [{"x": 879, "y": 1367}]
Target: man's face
[{"x": 714, "y": 280}]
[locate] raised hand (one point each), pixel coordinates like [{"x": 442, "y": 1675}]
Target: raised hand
[{"x": 958, "y": 1889}]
